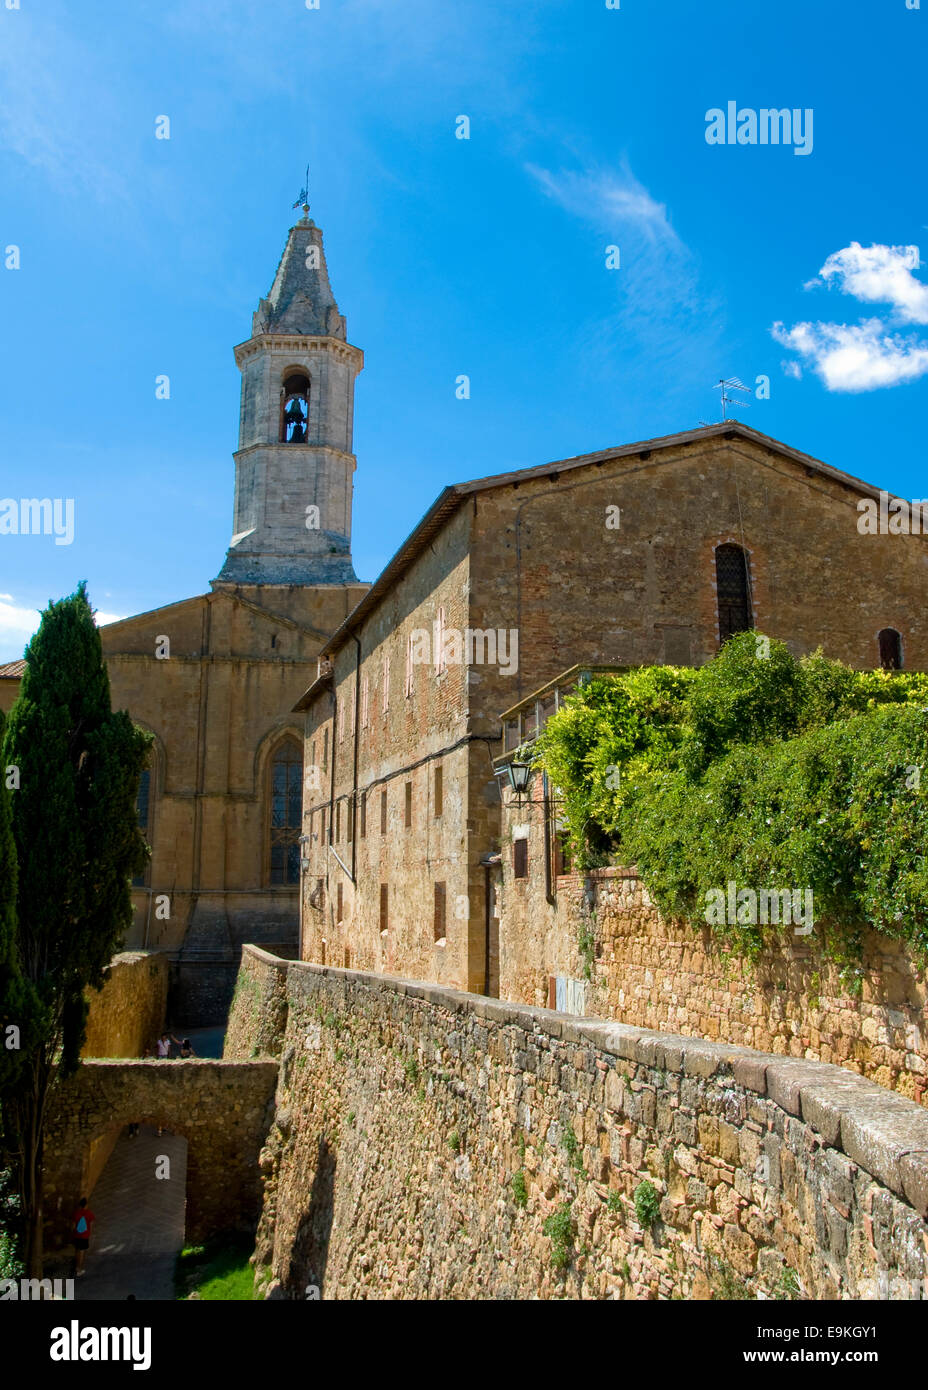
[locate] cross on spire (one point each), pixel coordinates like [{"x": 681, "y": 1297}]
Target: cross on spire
[{"x": 303, "y": 200}]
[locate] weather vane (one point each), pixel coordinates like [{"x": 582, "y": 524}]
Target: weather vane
[{"x": 303, "y": 200}]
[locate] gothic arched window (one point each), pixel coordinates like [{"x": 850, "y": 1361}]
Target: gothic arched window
[
  {"x": 890, "y": 649},
  {"x": 143, "y": 811},
  {"x": 286, "y": 813},
  {"x": 733, "y": 591},
  {"x": 294, "y": 409}
]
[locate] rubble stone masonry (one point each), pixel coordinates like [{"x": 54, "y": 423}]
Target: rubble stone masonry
[{"x": 423, "y": 1138}]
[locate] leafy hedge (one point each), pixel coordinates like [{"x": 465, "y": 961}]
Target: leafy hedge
[{"x": 756, "y": 768}]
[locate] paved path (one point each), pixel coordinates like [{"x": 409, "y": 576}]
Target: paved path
[{"x": 140, "y": 1220}]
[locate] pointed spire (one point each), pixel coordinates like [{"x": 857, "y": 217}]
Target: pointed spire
[{"x": 301, "y": 299}]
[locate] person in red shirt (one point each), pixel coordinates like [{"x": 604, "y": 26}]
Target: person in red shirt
[{"x": 82, "y": 1222}]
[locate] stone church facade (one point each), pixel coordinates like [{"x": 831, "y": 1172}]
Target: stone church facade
[
  {"x": 214, "y": 677},
  {"x": 650, "y": 553}
]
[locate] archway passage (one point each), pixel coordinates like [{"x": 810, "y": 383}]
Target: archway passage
[
  {"x": 139, "y": 1203},
  {"x": 221, "y": 1109}
]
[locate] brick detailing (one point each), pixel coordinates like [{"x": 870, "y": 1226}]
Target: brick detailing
[{"x": 405, "y": 1110}]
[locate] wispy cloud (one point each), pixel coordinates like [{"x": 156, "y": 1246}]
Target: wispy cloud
[
  {"x": 608, "y": 200},
  {"x": 660, "y": 304},
  {"x": 871, "y": 353}
]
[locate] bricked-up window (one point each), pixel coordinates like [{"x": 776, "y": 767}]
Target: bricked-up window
[
  {"x": 385, "y": 697},
  {"x": 286, "y": 812},
  {"x": 733, "y": 591},
  {"x": 325, "y": 748},
  {"x": 890, "y": 649},
  {"x": 407, "y": 686},
  {"x": 384, "y": 909},
  {"x": 349, "y": 820},
  {"x": 338, "y": 821},
  {"x": 339, "y": 900},
  {"x": 143, "y": 811},
  {"x": 438, "y": 921},
  {"x": 364, "y": 702},
  {"x": 520, "y": 859},
  {"x": 408, "y": 817},
  {"x": 322, "y": 833},
  {"x": 363, "y": 816},
  {"x": 383, "y": 812},
  {"x": 439, "y": 792},
  {"x": 318, "y": 898}
]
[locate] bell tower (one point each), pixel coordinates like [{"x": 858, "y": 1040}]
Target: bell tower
[{"x": 294, "y": 464}]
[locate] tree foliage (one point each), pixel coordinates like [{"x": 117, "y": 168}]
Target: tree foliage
[
  {"x": 77, "y": 846},
  {"x": 779, "y": 773}
]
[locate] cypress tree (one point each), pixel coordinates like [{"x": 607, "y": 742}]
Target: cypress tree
[{"x": 78, "y": 845}]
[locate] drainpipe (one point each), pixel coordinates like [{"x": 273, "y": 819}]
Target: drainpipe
[
  {"x": 550, "y": 896},
  {"x": 357, "y": 735}
]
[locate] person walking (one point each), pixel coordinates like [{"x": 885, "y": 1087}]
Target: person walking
[{"x": 82, "y": 1222}]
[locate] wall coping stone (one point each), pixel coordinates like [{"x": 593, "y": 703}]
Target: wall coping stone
[{"x": 882, "y": 1131}]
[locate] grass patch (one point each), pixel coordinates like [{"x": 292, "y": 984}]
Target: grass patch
[{"x": 218, "y": 1271}]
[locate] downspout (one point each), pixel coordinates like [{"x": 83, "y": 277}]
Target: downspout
[
  {"x": 550, "y": 896},
  {"x": 354, "y": 776}
]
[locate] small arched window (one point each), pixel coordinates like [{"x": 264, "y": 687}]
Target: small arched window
[
  {"x": 294, "y": 409},
  {"x": 733, "y": 591},
  {"x": 286, "y": 813},
  {"x": 890, "y": 649}
]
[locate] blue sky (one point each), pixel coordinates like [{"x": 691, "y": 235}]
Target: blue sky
[{"x": 484, "y": 257}]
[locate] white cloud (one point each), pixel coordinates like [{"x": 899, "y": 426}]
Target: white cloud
[
  {"x": 880, "y": 275},
  {"x": 17, "y": 624},
  {"x": 870, "y": 354},
  {"x": 611, "y": 201},
  {"x": 855, "y": 357}
]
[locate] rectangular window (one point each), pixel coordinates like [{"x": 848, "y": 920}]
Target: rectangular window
[
  {"x": 439, "y": 792},
  {"x": 561, "y": 852},
  {"x": 322, "y": 831},
  {"x": 408, "y": 805},
  {"x": 338, "y": 821},
  {"x": 384, "y": 909},
  {"x": 383, "y": 812},
  {"x": 438, "y": 922},
  {"x": 325, "y": 748},
  {"x": 349, "y": 818},
  {"x": 338, "y": 905},
  {"x": 363, "y": 815},
  {"x": 319, "y": 894},
  {"x": 520, "y": 858}
]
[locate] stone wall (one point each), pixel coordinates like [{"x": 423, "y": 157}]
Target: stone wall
[
  {"x": 434, "y": 1144},
  {"x": 223, "y": 1110},
  {"x": 127, "y": 1015},
  {"x": 792, "y": 1000}
]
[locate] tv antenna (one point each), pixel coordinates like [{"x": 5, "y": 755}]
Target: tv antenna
[
  {"x": 727, "y": 384},
  {"x": 303, "y": 200}
]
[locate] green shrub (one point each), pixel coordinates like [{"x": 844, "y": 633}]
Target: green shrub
[
  {"x": 559, "y": 1228},
  {"x": 647, "y": 1204},
  {"x": 519, "y": 1189}
]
